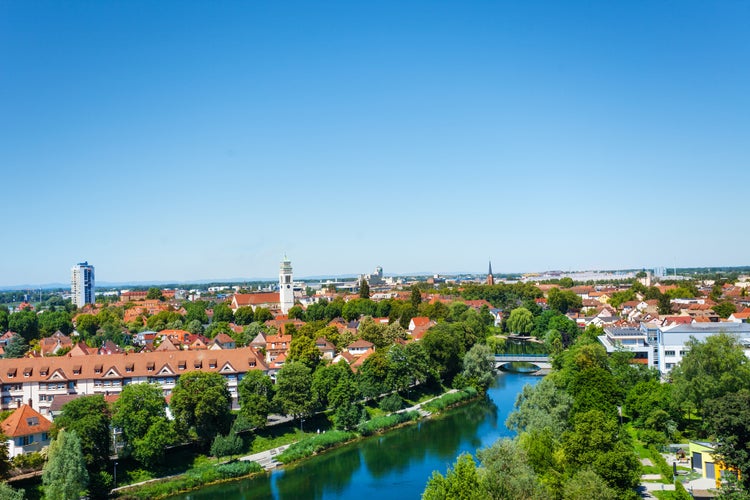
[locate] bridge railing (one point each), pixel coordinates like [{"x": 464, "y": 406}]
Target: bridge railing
[{"x": 535, "y": 356}]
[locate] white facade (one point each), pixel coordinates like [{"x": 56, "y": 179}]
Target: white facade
[
  {"x": 82, "y": 284},
  {"x": 286, "y": 286}
]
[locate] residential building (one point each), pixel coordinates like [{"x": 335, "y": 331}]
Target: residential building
[
  {"x": 82, "y": 284},
  {"x": 27, "y": 431},
  {"x": 39, "y": 380}
]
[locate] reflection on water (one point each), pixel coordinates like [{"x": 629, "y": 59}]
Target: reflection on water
[{"x": 394, "y": 465}]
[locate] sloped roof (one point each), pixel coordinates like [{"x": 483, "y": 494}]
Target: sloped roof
[
  {"x": 24, "y": 422},
  {"x": 252, "y": 299}
]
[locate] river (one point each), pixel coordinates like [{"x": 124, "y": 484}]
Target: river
[{"x": 393, "y": 466}]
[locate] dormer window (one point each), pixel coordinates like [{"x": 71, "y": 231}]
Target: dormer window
[
  {"x": 32, "y": 421},
  {"x": 44, "y": 371},
  {"x": 150, "y": 366},
  {"x": 198, "y": 364},
  {"x": 77, "y": 370},
  {"x": 27, "y": 371},
  {"x": 98, "y": 368},
  {"x": 11, "y": 372},
  {"x": 212, "y": 363},
  {"x": 181, "y": 365},
  {"x": 129, "y": 367}
]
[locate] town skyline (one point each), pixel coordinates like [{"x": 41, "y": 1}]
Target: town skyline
[{"x": 178, "y": 142}]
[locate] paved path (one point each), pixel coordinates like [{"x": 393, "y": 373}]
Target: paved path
[
  {"x": 266, "y": 459},
  {"x": 418, "y": 407}
]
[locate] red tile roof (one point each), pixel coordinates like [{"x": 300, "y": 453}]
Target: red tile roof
[{"x": 24, "y": 422}]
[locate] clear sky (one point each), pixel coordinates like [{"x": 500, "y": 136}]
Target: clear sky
[{"x": 203, "y": 140}]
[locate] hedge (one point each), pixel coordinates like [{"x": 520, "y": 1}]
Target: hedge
[
  {"x": 450, "y": 399},
  {"x": 315, "y": 444},
  {"x": 379, "y": 423}
]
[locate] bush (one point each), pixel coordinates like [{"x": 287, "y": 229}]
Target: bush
[
  {"x": 450, "y": 399},
  {"x": 379, "y": 423},
  {"x": 664, "y": 468},
  {"x": 237, "y": 469},
  {"x": 310, "y": 446},
  {"x": 650, "y": 437},
  {"x": 392, "y": 402},
  {"x": 29, "y": 461},
  {"x": 224, "y": 446}
]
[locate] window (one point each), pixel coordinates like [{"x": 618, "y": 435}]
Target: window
[
  {"x": 198, "y": 363},
  {"x": 129, "y": 367},
  {"x": 32, "y": 421},
  {"x": 27, "y": 371},
  {"x": 682, "y": 353},
  {"x": 150, "y": 366},
  {"x": 212, "y": 363},
  {"x": 98, "y": 368},
  {"x": 45, "y": 436},
  {"x": 77, "y": 370},
  {"x": 669, "y": 353},
  {"x": 11, "y": 372},
  {"x": 181, "y": 365},
  {"x": 44, "y": 370}
]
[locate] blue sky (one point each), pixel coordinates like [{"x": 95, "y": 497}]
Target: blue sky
[{"x": 203, "y": 140}]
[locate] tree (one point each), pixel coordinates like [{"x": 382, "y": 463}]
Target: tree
[
  {"x": 196, "y": 311},
  {"x": 294, "y": 390},
  {"x": 201, "y": 405},
  {"x": 151, "y": 449},
  {"x": 364, "y": 289},
  {"x": 87, "y": 325},
  {"x": 728, "y": 419},
  {"x": 521, "y": 321},
  {"x": 222, "y": 312},
  {"x": 444, "y": 349},
  {"x": 304, "y": 350},
  {"x": 296, "y": 312},
  {"x": 725, "y": 309},
  {"x": 89, "y": 418},
  {"x": 4, "y": 317},
  {"x": 8, "y": 493},
  {"x": 52, "y": 321},
  {"x": 479, "y": 365},
  {"x": 542, "y": 406},
  {"x": 244, "y": 315},
  {"x": 262, "y": 314},
  {"x": 136, "y": 410},
  {"x": 25, "y": 324},
  {"x": 16, "y": 347},
  {"x": 325, "y": 378},
  {"x": 507, "y": 474},
  {"x": 154, "y": 293},
  {"x": 256, "y": 395},
  {"x": 587, "y": 485},
  {"x": 564, "y": 300},
  {"x": 344, "y": 400},
  {"x": 711, "y": 369},
  {"x": 416, "y": 297},
  {"x": 64, "y": 475},
  {"x": 460, "y": 482}
]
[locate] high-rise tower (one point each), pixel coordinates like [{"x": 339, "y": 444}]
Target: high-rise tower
[
  {"x": 286, "y": 286},
  {"x": 490, "y": 278},
  {"x": 82, "y": 284}
]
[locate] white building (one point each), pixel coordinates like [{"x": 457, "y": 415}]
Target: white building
[
  {"x": 662, "y": 347},
  {"x": 82, "y": 284}
]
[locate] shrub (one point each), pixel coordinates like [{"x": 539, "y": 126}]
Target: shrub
[
  {"x": 380, "y": 423},
  {"x": 392, "y": 402},
  {"x": 308, "y": 447},
  {"x": 29, "y": 461},
  {"x": 659, "y": 461},
  {"x": 450, "y": 399},
  {"x": 224, "y": 446}
]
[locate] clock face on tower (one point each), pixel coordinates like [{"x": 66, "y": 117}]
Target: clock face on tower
[{"x": 287, "y": 286}]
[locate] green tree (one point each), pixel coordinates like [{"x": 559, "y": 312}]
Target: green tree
[
  {"x": 87, "y": 325},
  {"x": 479, "y": 366},
  {"x": 304, "y": 350},
  {"x": 52, "y": 321},
  {"x": 136, "y": 410},
  {"x": 460, "y": 482},
  {"x": 296, "y": 312},
  {"x": 222, "y": 312},
  {"x": 4, "y": 318},
  {"x": 507, "y": 474},
  {"x": 444, "y": 349},
  {"x": 262, "y": 314},
  {"x": 150, "y": 450},
  {"x": 201, "y": 405},
  {"x": 325, "y": 378},
  {"x": 541, "y": 406},
  {"x": 16, "y": 347},
  {"x": 344, "y": 400},
  {"x": 564, "y": 300},
  {"x": 728, "y": 420},
  {"x": 154, "y": 293},
  {"x": 64, "y": 475},
  {"x": 364, "y": 289},
  {"x": 521, "y": 321},
  {"x": 725, "y": 309},
  {"x": 416, "y": 297},
  {"x": 8, "y": 493},
  {"x": 196, "y": 311},
  {"x": 587, "y": 485},
  {"x": 294, "y": 390},
  {"x": 256, "y": 396},
  {"x": 244, "y": 315},
  {"x": 710, "y": 369},
  {"x": 89, "y": 418},
  {"x": 25, "y": 324}
]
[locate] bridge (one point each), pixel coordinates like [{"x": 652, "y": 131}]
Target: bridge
[{"x": 542, "y": 361}]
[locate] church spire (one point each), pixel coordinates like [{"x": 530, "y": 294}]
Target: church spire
[{"x": 490, "y": 278}]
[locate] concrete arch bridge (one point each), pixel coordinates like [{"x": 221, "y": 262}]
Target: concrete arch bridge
[{"x": 540, "y": 361}]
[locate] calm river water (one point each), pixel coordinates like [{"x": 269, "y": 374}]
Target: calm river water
[{"x": 393, "y": 466}]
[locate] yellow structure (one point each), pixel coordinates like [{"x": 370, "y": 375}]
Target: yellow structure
[{"x": 703, "y": 460}]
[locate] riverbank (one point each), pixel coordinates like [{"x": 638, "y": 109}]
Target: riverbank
[{"x": 299, "y": 451}]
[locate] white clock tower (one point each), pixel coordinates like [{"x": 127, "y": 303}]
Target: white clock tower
[{"x": 286, "y": 286}]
